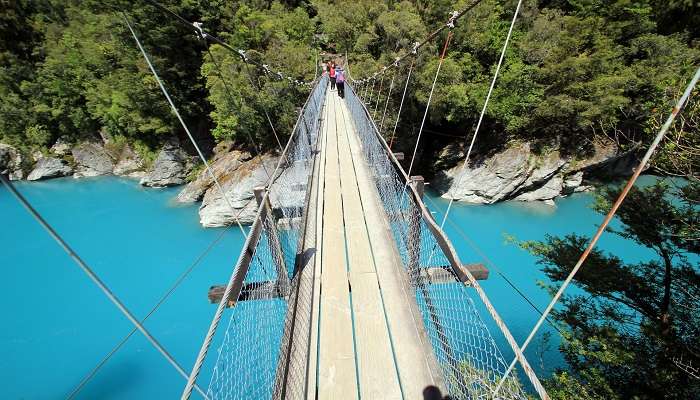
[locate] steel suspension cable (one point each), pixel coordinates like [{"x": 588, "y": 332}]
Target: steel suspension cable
[
  {"x": 386, "y": 105},
  {"x": 454, "y": 17},
  {"x": 182, "y": 122},
  {"x": 371, "y": 92},
  {"x": 403, "y": 97},
  {"x": 93, "y": 276},
  {"x": 364, "y": 96},
  {"x": 483, "y": 109},
  {"x": 430, "y": 98},
  {"x": 256, "y": 85},
  {"x": 606, "y": 221},
  {"x": 191, "y": 382},
  {"x": 197, "y": 29},
  {"x": 160, "y": 302},
  {"x": 379, "y": 95},
  {"x": 186, "y": 273},
  {"x": 231, "y": 99}
]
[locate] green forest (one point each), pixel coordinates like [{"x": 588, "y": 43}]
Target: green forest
[{"x": 576, "y": 71}]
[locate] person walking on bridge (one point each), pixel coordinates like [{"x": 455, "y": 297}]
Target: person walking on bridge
[
  {"x": 331, "y": 74},
  {"x": 340, "y": 81}
]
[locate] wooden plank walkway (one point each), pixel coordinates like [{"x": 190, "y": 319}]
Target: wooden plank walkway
[{"x": 370, "y": 341}]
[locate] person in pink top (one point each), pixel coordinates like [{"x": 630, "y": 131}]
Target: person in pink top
[{"x": 331, "y": 74}]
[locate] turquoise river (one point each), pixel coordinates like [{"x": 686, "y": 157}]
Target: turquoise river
[{"x": 58, "y": 325}]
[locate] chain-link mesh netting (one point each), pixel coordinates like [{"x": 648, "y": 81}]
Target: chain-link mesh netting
[
  {"x": 264, "y": 348},
  {"x": 470, "y": 360}
]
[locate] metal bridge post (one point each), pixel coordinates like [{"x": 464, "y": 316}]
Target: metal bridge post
[
  {"x": 414, "y": 230},
  {"x": 283, "y": 283}
]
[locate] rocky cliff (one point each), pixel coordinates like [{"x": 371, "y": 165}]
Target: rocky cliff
[
  {"x": 98, "y": 157},
  {"x": 239, "y": 174},
  {"x": 518, "y": 173},
  {"x": 11, "y": 162}
]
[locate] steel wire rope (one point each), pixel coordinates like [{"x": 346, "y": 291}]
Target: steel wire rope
[
  {"x": 160, "y": 302},
  {"x": 95, "y": 278},
  {"x": 533, "y": 378},
  {"x": 191, "y": 382},
  {"x": 232, "y": 100},
  {"x": 256, "y": 85},
  {"x": 182, "y": 122},
  {"x": 483, "y": 109},
  {"x": 199, "y": 31},
  {"x": 481, "y": 293},
  {"x": 200, "y": 258},
  {"x": 386, "y": 105},
  {"x": 175, "y": 285},
  {"x": 623, "y": 194},
  {"x": 538, "y": 387},
  {"x": 455, "y": 16},
  {"x": 371, "y": 92},
  {"x": 379, "y": 95},
  {"x": 364, "y": 97},
  {"x": 403, "y": 97},
  {"x": 427, "y": 105},
  {"x": 450, "y": 24}
]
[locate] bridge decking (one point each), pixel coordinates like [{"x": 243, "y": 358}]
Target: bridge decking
[{"x": 370, "y": 340}]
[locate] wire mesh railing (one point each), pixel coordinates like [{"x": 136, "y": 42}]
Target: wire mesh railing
[
  {"x": 254, "y": 360},
  {"x": 469, "y": 358}
]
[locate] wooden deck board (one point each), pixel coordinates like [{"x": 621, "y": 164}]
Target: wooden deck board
[
  {"x": 336, "y": 358},
  {"x": 376, "y": 368},
  {"x": 370, "y": 341},
  {"x": 415, "y": 361}
]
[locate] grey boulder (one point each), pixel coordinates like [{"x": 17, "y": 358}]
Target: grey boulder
[
  {"x": 170, "y": 168},
  {"x": 91, "y": 159},
  {"x": 49, "y": 167}
]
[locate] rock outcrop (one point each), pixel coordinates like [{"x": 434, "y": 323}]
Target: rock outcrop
[
  {"x": 170, "y": 168},
  {"x": 130, "y": 164},
  {"x": 11, "y": 162},
  {"x": 62, "y": 147},
  {"x": 91, "y": 159},
  {"x": 502, "y": 176},
  {"x": 238, "y": 181},
  {"x": 223, "y": 164},
  {"x": 49, "y": 167},
  {"x": 518, "y": 173}
]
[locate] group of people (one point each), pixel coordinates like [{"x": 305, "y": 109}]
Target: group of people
[{"x": 337, "y": 77}]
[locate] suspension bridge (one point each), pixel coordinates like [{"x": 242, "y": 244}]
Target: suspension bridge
[{"x": 346, "y": 286}]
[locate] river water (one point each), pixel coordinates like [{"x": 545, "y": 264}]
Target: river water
[{"x": 58, "y": 325}]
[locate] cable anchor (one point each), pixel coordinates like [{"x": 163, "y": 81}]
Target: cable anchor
[
  {"x": 453, "y": 18},
  {"x": 414, "y": 50},
  {"x": 200, "y": 30}
]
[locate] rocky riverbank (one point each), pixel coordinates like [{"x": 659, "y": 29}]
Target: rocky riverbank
[
  {"x": 98, "y": 158},
  {"x": 519, "y": 173},
  {"x": 239, "y": 173},
  {"x": 515, "y": 173}
]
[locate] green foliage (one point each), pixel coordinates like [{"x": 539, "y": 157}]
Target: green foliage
[
  {"x": 240, "y": 94},
  {"x": 575, "y": 71},
  {"x": 636, "y": 324}
]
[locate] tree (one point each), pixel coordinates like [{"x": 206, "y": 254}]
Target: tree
[{"x": 635, "y": 331}]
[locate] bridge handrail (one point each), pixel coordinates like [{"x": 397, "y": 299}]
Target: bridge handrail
[
  {"x": 242, "y": 268},
  {"x": 451, "y": 257}
]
